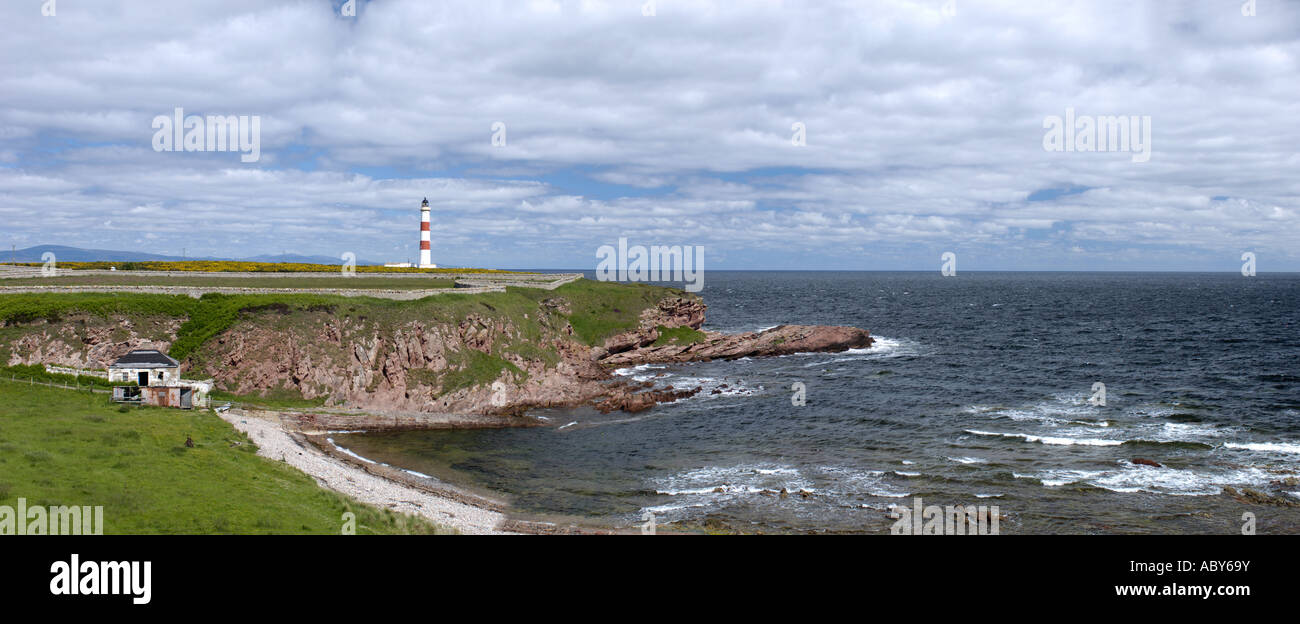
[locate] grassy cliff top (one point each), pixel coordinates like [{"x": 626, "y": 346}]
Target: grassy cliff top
[{"x": 596, "y": 310}]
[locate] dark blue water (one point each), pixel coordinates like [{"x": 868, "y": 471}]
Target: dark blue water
[{"x": 977, "y": 391}]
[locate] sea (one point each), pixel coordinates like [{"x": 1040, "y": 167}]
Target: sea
[{"x": 1033, "y": 392}]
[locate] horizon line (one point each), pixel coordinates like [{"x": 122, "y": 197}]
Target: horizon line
[{"x": 915, "y": 270}]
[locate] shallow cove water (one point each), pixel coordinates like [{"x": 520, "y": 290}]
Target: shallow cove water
[{"x": 976, "y": 391}]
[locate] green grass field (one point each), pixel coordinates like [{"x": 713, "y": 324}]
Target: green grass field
[
  {"x": 602, "y": 309},
  {"x": 68, "y": 447},
  {"x": 678, "y": 335}
]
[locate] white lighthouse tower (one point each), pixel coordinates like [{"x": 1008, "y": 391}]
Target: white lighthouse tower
[{"x": 426, "y": 261}]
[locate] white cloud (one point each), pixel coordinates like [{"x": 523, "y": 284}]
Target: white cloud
[{"x": 923, "y": 131}]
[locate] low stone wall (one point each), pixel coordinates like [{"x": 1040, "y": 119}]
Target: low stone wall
[
  {"x": 76, "y": 372},
  {"x": 199, "y": 291},
  {"x": 553, "y": 281},
  {"x": 9, "y": 271},
  {"x": 478, "y": 286}
]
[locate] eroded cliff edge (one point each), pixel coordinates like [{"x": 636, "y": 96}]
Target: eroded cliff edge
[{"x": 486, "y": 354}]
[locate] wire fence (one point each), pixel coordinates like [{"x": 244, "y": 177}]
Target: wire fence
[
  {"x": 65, "y": 385},
  {"x": 206, "y": 403}
]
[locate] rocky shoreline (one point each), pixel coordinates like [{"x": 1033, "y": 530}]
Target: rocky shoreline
[
  {"x": 597, "y": 385},
  {"x": 644, "y": 345}
]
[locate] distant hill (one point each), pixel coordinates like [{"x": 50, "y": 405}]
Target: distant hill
[{"x": 77, "y": 254}]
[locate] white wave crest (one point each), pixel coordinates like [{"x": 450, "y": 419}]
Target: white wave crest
[
  {"x": 1138, "y": 478},
  {"x": 1056, "y": 440},
  {"x": 348, "y": 452},
  {"x": 1265, "y": 447}
]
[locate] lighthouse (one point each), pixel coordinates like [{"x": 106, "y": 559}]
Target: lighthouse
[{"x": 426, "y": 262}]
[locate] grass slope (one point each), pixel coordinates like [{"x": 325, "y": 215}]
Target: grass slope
[
  {"x": 64, "y": 447},
  {"x": 602, "y": 309},
  {"x": 678, "y": 336}
]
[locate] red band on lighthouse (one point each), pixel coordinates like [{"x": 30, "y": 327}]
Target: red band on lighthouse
[
  {"x": 424, "y": 245},
  {"x": 424, "y": 226}
]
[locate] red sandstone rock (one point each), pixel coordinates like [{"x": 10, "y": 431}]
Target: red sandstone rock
[
  {"x": 622, "y": 398},
  {"x": 782, "y": 340}
]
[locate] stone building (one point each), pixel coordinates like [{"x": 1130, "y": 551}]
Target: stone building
[
  {"x": 158, "y": 381},
  {"x": 146, "y": 367}
]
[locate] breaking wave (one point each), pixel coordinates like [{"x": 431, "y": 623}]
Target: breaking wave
[
  {"x": 1057, "y": 440},
  {"x": 1131, "y": 478},
  {"x": 1265, "y": 447}
]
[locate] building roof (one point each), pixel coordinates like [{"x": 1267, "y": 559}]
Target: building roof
[{"x": 145, "y": 358}]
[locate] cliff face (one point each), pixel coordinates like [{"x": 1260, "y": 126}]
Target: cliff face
[
  {"x": 414, "y": 366},
  {"x": 480, "y": 354},
  {"x": 482, "y": 363},
  {"x": 86, "y": 340}
]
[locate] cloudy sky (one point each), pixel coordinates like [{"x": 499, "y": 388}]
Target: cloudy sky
[{"x": 924, "y": 126}]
